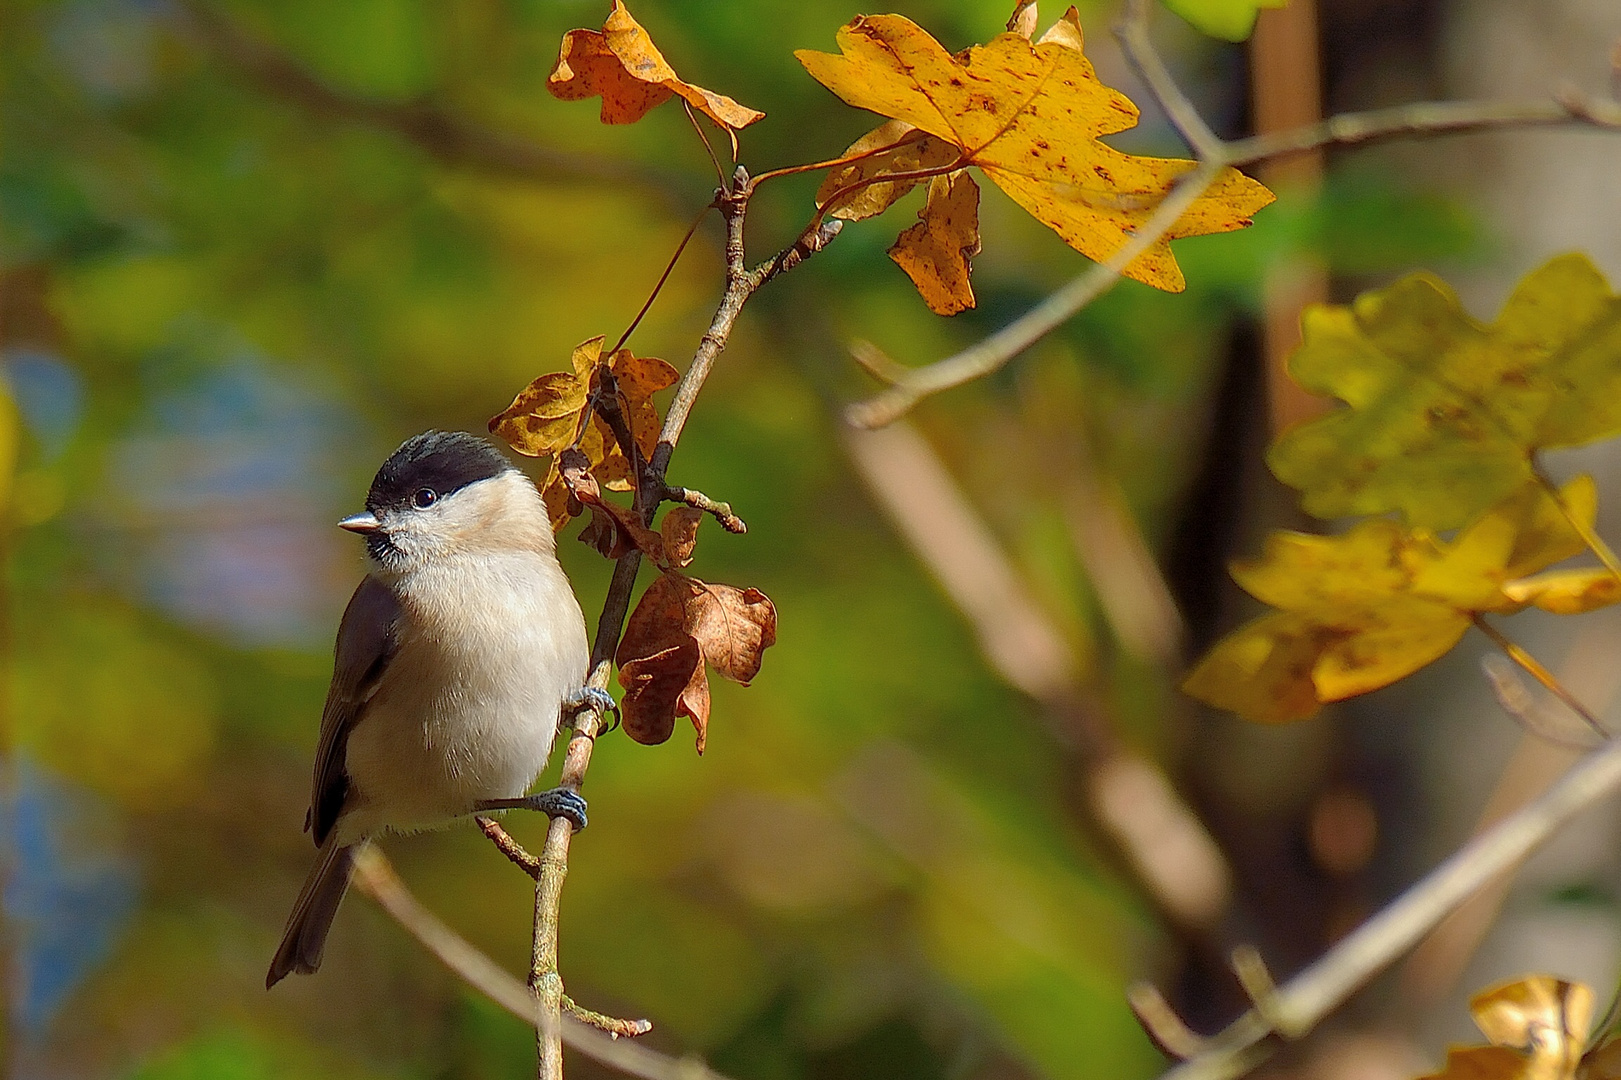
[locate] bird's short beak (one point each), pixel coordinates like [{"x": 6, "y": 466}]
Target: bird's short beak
[{"x": 360, "y": 523}]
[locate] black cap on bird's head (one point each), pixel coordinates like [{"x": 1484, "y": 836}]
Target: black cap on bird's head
[{"x": 425, "y": 469}]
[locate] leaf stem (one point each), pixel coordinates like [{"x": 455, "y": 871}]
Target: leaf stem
[
  {"x": 1595, "y": 543},
  {"x": 1532, "y": 667},
  {"x": 720, "y": 173},
  {"x": 842, "y": 194},
  {"x": 669, "y": 267}
]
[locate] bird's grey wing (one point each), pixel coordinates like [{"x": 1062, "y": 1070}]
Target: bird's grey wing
[{"x": 367, "y": 638}]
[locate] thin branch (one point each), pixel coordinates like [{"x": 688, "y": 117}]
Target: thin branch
[
  {"x": 995, "y": 351},
  {"x": 722, "y": 512},
  {"x": 509, "y": 847},
  {"x": 1569, "y": 107},
  {"x": 1132, "y": 33},
  {"x": 376, "y": 877},
  {"x": 651, "y": 490},
  {"x": 1305, "y": 1000},
  {"x": 1130, "y": 804},
  {"x": 1595, "y": 543},
  {"x": 1427, "y": 119}
]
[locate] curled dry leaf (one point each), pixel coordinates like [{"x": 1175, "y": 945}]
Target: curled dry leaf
[
  {"x": 614, "y": 530},
  {"x": 549, "y": 416},
  {"x": 679, "y": 531},
  {"x": 1443, "y": 414},
  {"x": 1537, "y": 1028},
  {"x": 621, "y": 64},
  {"x": 1361, "y": 610},
  {"x": 680, "y": 624},
  {"x": 936, "y": 253},
  {"x": 1030, "y": 116}
]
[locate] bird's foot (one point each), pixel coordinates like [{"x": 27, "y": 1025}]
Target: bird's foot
[
  {"x": 558, "y": 802},
  {"x": 589, "y": 697}
]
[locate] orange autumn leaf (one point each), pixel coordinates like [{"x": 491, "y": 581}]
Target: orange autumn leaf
[
  {"x": 1030, "y": 116},
  {"x": 936, "y": 252},
  {"x": 1536, "y": 1027},
  {"x": 1361, "y": 610},
  {"x": 680, "y": 625},
  {"x": 621, "y": 64},
  {"x": 549, "y": 415}
]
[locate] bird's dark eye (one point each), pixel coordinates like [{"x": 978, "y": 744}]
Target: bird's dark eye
[{"x": 424, "y": 498}]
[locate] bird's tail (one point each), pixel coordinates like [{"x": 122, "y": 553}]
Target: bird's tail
[{"x": 317, "y": 905}]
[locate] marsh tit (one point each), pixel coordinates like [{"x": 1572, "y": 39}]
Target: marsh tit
[{"x": 456, "y": 658}]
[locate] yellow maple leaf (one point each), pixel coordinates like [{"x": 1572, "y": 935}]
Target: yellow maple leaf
[
  {"x": 1363, "y": 609},
  {"x": 550, "y": 415},
  {"x": 622, "y": 65},
  {"x": 1443, "y": 414},
  {"x": 936, "y": 252},
  {"x": 1567, "y": 592},
  {"x": 1030, "y": 115},
  {"x": 1537, "y": 1029}
]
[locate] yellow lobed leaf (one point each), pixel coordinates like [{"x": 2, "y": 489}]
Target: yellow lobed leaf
[
  {"x": 1567, "y": 592},
  {"x": 936, "y": 253},
  {"x": 621, "y": 64},
  {"x": 1363, "y": 609},
  {"x": 1029, "y": 115},
  {"x": 1443, "y": 414}
]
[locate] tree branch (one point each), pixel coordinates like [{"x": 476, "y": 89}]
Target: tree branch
[
  {"x": 741, "y": 283},
  {"x": 908, "y": 386},
  {"x": 376, "y": 877},
  {"x": 1305, "y": 1000}
]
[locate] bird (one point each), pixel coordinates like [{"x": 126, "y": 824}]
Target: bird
[{"x": 456, "y": 659}]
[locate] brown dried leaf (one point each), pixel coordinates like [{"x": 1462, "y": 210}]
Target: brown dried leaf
[
  {"x": 734, "y": 627},
  {"x": 680, "y": 624},
  {"x": 936, "y": 253},
  {"x": 622, "y": 65},
  {"x": 614, "y": 529},
  {"x": 679, "y": 530}
]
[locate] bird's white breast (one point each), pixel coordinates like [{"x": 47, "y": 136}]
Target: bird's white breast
[{"x": 469, "y": 705}]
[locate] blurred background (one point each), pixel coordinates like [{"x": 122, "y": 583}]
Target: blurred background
[{"x": 246, "y": 247}]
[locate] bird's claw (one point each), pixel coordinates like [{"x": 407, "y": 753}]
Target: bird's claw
[
  {"x": 589, "y": 697},
  {"x": 557, "y": 802}
]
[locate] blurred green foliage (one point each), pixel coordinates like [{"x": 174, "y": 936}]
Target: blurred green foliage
[{"x": 874, "y": 870}]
